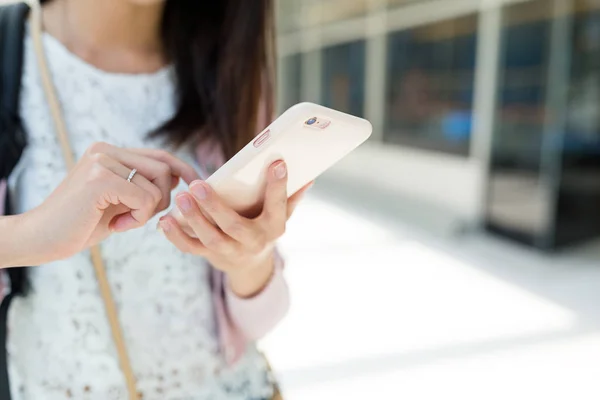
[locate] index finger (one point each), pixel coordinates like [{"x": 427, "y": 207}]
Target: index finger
[
  {"x": 228, "y": 220},
  {"x": 178, "y": 166}
]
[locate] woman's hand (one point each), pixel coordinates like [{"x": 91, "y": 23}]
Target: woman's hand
[
  {"x": 96, "y": 199},
  {"x": 241, "y": 247}
]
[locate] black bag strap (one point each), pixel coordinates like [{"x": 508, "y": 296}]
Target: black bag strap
[
  {"x": 12, "y": 135},
  {"x": 12, "y": 138},
  {"x": 4, "y": 379},
  {"x": 12, "y": 143}
]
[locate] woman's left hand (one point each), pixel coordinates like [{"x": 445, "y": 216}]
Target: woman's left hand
[{"x": 241, "y": 247}]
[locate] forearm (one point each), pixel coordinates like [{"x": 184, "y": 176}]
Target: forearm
[{"x": 16, "y": 249}]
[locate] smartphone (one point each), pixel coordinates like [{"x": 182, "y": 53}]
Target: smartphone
[{"x": 309, "y": 137}]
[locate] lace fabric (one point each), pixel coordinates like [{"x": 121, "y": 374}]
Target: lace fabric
[{"x": 59, "y": 343}]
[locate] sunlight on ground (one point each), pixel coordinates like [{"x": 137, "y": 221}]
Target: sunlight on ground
[{"x": 376, "y": 309}]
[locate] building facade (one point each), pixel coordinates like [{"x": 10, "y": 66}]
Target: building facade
[{"x": 487, "y": 108}]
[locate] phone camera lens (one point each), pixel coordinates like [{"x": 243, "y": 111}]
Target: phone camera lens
[{"x": 311, "y": 121}]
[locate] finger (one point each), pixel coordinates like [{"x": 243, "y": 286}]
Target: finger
[
  {"x": 122, "y": 171},
  {"x": 228, "y": 220},
  {"x": 155, "y": 171},
  {"x": 212, "y": 238},
  {"x": 123, "y": 222},
  {"x": 174, "y": 182},
  {"x": 171, "y": 229},
  {"x": 117, "y": 191},
  {"x": 296, "y": 197},
  {"x": 178, "y": 167},
  {"x": 274, "y": 213},
  {"x": 111, "y": 215},
  {"x": 140, "y": 195}
]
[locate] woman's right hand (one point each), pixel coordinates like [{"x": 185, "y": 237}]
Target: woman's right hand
[{"x": 95, "y": 199}]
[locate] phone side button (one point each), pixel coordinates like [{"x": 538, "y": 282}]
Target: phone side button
[{"x": 263, "y": 137}]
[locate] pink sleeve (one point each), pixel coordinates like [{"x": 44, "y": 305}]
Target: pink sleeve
[
  {"x": 3, "y": 189},
  {"x": 258, "y": 315},
  {"x": 241, "y": 321}
]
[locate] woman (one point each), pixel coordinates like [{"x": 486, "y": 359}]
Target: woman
[{"x": 134, "y": 76}]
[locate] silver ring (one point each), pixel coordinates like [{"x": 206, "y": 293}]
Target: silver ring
[{"x": 131, "y": 175}]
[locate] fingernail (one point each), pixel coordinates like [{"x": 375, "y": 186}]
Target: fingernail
[
  {"x": 159, "y": 223},
  {"x": 165, "y": 225},
  {"x": 280, "y": 171},
  {"x": 184, "y": 203},
  {"x": 199, "y": 191}
]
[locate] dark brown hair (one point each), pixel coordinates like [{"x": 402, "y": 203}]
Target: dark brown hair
[
  {"x": 223, "y": 53},
  {"x": 224, "y": 59}
]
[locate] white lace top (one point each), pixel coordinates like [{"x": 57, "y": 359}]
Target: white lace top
[{"x": 60, "y": 345}]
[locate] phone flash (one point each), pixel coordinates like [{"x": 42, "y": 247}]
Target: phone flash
[{"x": 316, "y": 122}]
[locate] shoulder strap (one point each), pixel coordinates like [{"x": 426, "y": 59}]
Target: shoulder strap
[{"x": 61, "y": 131}]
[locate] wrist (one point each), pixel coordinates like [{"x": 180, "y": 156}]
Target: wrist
[{"x": 248, "y": 282}]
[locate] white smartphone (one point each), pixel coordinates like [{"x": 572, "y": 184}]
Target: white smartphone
[{"x": 309, "y": 137}]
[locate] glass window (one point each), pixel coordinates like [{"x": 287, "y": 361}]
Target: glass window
[
  {"x": 518, "y": 201},
  {"x": 290, "y": 70},
  {"x": 545, "y": 170},
  {"x": 343, "y": 79},
  {"x": 544, "y": 186},
  {"x": 577, "y": 216},
  {"x": 430, "y": 90}
]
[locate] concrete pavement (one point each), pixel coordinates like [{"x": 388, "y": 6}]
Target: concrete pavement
[{"x": 381, "y": 309}]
